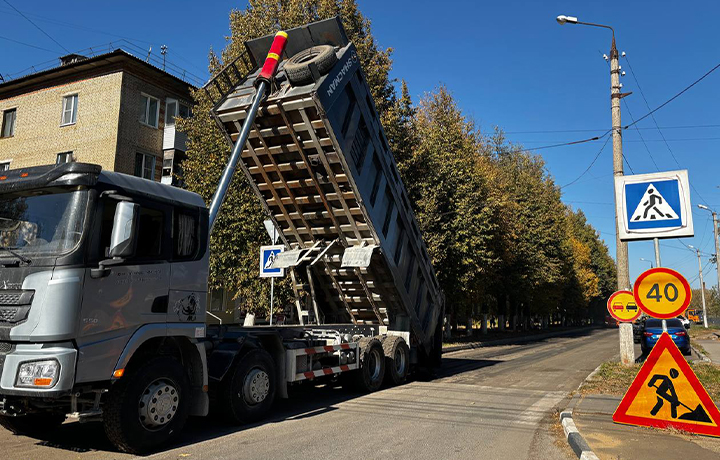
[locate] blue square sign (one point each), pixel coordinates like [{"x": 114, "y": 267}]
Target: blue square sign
[
  {"x": 653, "y": 205},
  {"x": 267, "y": 257}
]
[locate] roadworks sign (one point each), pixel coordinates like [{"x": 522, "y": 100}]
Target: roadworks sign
[{"x": 667, "y": 394}]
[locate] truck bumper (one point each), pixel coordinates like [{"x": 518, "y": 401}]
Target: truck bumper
[{"x": 64, "y": 353}]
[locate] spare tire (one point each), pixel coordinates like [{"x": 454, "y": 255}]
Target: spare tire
[{"x": 297, "y": 68}]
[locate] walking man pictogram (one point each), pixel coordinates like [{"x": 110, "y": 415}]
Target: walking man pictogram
[{"x": 652, "y": 202}]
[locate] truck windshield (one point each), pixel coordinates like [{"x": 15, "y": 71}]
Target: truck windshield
[{"x": 41, "y": 224}]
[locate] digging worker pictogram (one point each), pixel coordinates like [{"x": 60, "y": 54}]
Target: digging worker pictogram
[{"x": 666, "y": 392}]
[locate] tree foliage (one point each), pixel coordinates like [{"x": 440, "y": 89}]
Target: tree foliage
[{"x": 498, "y": 234}]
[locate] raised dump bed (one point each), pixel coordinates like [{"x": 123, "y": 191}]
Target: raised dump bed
[{"x": 318, "y": 159}]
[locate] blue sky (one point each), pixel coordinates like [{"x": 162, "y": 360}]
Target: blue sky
[{"x": 508, "y": 64}]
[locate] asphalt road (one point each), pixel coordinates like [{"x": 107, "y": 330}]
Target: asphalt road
[{"x": 494, "y": 402}]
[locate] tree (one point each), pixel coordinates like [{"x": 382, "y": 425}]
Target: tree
[{"x": 239, "y": 232}]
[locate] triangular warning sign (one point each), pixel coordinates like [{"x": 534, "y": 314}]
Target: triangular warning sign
[
  {"x": 666, "y": 393},
  {"x": 652, "y": 207}
]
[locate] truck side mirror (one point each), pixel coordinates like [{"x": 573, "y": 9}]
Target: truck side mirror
[{"x": 123, "y": 240}]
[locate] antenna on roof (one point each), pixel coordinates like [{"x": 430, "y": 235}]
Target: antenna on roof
[
  {"x": 163, "y": 51},
  {"x": 147, "y": 59}
]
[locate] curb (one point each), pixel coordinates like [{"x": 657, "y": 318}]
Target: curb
[
  {"x": 574, "y": 438},
  {"x": 701, "y": 355},
  {"x": 514, "y": 340}
]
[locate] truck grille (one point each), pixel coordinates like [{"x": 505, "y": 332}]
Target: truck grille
[
  {"x": 10, "y": 299},
  {"x": 5, "y": 348},
  {"x": 7, "y": 315}
]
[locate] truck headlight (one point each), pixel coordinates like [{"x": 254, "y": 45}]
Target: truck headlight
[{"x": 38, "y": 374}]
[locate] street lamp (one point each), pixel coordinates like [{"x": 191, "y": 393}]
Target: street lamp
[
  {"x": 645, "y": 260},
  {"x": 717, "y": 241},
  {"x": 627, "y": 350},
  {"x": 702, "y": 284}
]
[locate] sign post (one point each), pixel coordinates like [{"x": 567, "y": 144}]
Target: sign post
[{"x": 268, "y": 254}]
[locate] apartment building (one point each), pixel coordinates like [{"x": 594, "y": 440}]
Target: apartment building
[{"x": 114, "y": 109}]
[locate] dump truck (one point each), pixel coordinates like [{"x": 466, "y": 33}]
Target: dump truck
[{"x": 104, "y": 276}]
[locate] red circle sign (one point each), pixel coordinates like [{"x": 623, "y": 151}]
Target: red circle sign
[
  {"x": 662, "y": 293},
  {"x": 621, "y": 306}
]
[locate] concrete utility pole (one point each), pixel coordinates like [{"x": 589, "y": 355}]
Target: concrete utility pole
[
  {"x": 702, "y": 285},
  {"x": 717, "y": 244},
  {"x": 627, "y": 346}
]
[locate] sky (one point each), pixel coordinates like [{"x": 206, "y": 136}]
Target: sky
[{"x": 508, "y": 63}]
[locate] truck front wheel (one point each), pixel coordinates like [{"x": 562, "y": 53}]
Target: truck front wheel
[
  {"x": 32, "y": 425},
  {"x": 248, "y": 391},
  {"x": 148, "y": 406}
]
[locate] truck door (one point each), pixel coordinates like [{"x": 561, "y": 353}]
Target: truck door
[{"x": 134, "y": 293}]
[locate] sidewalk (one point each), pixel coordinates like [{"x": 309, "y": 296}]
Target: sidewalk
[
  {"x": 592, "y": 415},
  {"x": 611, "y": 441}
]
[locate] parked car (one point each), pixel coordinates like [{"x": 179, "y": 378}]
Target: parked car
[
  {"x": 611, "y": 322},
  {"x": 638, "y": 327},
  {"x": 686, "y": 322},
  {"x": 653, "y": 329}
]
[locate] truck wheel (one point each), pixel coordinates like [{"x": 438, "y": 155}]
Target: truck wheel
[
  {"x": 248, "y": 392},
  {"x": 370, "y": 376},
  {"x": 32, "y": 425},
  {"x": 148, "y": 407},
  {"x": 297, "y": 68},
  {"x": 397, "y": 359}
]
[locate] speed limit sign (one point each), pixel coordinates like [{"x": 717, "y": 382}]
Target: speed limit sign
[{"x": 662, "y": 293}]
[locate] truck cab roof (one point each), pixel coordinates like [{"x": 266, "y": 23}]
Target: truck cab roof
[{"x": 85, "y": 174}]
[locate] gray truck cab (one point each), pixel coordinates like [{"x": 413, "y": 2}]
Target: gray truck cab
[{"x": 96, "y": 269}]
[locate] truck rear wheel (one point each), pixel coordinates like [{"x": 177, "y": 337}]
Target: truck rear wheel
[
  {"x": 248, "y": 392},
  {"x": 32, "y": 425},
  {"x": 370, "y": 376},
  {"x": 148, "y": 406},
  {"x": 397, "y": 359}
]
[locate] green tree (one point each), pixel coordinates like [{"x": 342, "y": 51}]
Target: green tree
[{"x": 239, "y": 232}]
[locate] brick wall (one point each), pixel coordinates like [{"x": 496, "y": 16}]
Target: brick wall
[
  {"x": 135, "y": 137},
  {"x": 39, "y": 137}
]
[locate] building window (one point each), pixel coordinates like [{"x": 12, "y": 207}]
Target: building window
[
  {"x": 174, "y": 108},
  {"x": 145, "y": 166},
  {"x": 65, "y": 157},
  {"x": 4, "y": 165},
  {"x": 8, "y": 123},
  {"x": 69, "y": 110},
  {"x": 149, "y": 110}
]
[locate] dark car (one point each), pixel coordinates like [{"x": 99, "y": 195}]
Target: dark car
[{"x": 653, "y": 329}]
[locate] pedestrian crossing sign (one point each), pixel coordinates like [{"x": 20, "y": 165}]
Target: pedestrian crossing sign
[
  {"x": 667, "y": 394},
  {"x": 653, "y": 205}
]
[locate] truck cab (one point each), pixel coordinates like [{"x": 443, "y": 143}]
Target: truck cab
[{"x": 96, "y": 269}]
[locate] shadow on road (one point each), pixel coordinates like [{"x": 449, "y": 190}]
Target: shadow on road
[{"x": 306, "y": 400}]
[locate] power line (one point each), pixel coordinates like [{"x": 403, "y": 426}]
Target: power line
[
  {"x": 672, "y": 98},
  {"x": 27, "y": 44},
  {"x": 591, "y": 165},
  {"x": 667, "y": 102},
  {"x": 601, "y": 129},
  {"x": 37, "y": 27}
]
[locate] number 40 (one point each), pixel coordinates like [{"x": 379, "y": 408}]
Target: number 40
[{"x": 671, "y": 292}]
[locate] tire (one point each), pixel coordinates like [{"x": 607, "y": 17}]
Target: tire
[
  {"x": 370, "y": 376},
  {"x": 32, "y": 425},
  {"x": 128, "y": 414},
  {"x": 297, "y": 68},
  {"x": 397, "y": 360},
  {"x": 248, "y": 391}
]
